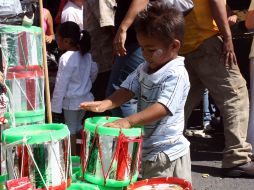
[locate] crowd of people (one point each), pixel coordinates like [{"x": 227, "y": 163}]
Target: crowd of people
[{"x": 151, "y": 63}]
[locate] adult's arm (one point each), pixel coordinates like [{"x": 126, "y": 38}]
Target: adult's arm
[
  {"x": 50, "y": 29},
  {"x": 249, "y": 21},
  {"x": 219, "y": 12},
  {"x": 135, "y": 7}
]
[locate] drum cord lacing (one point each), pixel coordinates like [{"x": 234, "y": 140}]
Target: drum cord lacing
[
  {"x": 24, "y": 141},
  {"x": 25, "y": 144},
  {"x": 31, "y": 154},
  {"x": 119, "y": 147},
  {"x": 57, "y": 160}
]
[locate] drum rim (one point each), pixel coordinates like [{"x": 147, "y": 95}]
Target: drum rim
[
  {"x": 17, "y": 29},
  {"x": 3, "y": 178},
  {"x": 27, "y": 116},
  {"x": 110, "y": 182},
  {"x": 58, "y": 131},
  {"x": 92, "y": 127},
  {"x": 83, "y": 185},
  {"x": 186, "y": 185},
  {"x": 92, "y": 186}
]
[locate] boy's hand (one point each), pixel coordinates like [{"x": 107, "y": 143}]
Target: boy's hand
[
  {"x": 96, "y": 106},
  {"x": 121, "y": 123}
]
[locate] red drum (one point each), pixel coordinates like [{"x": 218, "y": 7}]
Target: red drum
[{"x": 170, "y": 183}]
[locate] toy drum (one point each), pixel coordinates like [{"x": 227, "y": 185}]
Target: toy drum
[
  {"x": 21, "y": 45},
  {"x": 170, "y": 183},
  {"x": 26, "y": 92},
  {"x": 40, "y": 152},
  {"x": 110, "y": 156},
  {"x": 21, "y": 50}
]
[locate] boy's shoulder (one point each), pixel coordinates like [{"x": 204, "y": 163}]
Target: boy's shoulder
[{"x": 174, "y": 67}]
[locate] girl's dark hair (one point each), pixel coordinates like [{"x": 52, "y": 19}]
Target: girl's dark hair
[
  {"x": 85, "y": 42},
  {"x": 159, "y": 19},
  {"x": 71, "y": 30}
]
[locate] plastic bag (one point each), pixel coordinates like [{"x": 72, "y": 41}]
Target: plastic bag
[{"x": 10, "y": 7}]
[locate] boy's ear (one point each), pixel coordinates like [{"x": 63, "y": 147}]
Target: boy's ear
[{"x": 176, "y": 44}]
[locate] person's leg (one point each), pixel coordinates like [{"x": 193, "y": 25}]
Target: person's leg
[
  {"x": 228, "y": 89},
  {"x": 163, "y": 167},
  {"x": 196, "y": 89},
  {"x": 183, "y": 167},
  {"x": 206, "y": 111},
  {"x": 121, "y": 69},
  {"x": 250, "y": 136},
  {"x": 73, "y": 119}
]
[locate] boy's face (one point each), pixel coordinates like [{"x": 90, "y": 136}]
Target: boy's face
[{"x": 156, "y": 52}]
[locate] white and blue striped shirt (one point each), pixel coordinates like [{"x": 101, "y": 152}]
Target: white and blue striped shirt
[{"x": 169, "y": 86}]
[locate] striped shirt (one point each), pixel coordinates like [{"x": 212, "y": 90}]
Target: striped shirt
[{"x": 168, "y": 86}]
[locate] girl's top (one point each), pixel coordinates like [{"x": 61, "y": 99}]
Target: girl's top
[{"x": 75, "y": 76}]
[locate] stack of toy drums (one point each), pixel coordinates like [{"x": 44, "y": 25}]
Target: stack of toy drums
[
  {"x": 110, "y": 157},
  {"x": 21, "y": 52},
  {"x": 40, "y": 152}
]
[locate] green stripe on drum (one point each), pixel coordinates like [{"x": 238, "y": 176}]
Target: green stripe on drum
[
  {"x": 35, "y": 134},
  {"x": 96, "y": 123},
  {"x": 26, "y": 117},
  {"x": 89, "y": 186}
]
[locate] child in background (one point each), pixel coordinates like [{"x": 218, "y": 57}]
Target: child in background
[
  {"x": 75, "y": 76},
  {"x": 161, "y": 85}
]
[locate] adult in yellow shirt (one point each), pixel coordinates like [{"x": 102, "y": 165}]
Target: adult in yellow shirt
[{"x": 211, "y": 63}]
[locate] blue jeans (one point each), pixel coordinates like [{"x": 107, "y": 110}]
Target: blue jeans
[
  {"x": 208, "y": 108},
  {"x": 122, "y": 67},
  {"x": 73, "y": 119}
]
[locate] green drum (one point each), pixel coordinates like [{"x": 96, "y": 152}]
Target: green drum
[
  {"x": 75, "y": 164},
  {"x": 41, "y": 152},
  {"x": 3, "y": 179},
  {"x": 111, "y": 155},
  {"x": 89, "y": 186},
  {"x": 21, "y": 49},
  {"x": 79, "y": 184}
]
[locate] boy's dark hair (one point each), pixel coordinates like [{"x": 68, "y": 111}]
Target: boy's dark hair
[
  {"x": 159, "y": 19},
  {"x": 71, "y": 30}
]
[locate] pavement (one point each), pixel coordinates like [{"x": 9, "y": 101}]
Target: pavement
[{"x": 206, "y": 156}]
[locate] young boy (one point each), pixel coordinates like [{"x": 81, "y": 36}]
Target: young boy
[{"x": 161, "y": 85}]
